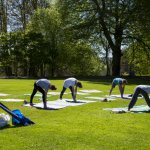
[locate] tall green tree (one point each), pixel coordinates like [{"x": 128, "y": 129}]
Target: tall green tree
[
  {"x": 113, "y": 19},
  {"x": 78, "y": 59},
  {"x": 36, "y": 53},
  {"x": 19, "y": 12},
  {"x": 138, "y": 58},
  {"x": 5, "y": 57},
  {"x": 20, "y": 53},
  {"x": 3, "y": 16},
  {"x": 47, "y": 22},
  {"x": 140, "y": 45}
]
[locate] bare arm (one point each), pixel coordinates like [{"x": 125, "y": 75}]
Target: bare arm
[
  {"x": 110, "y": 90},
  {"x": 75, "y": 92}
]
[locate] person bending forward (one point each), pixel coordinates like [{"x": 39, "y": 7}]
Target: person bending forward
[
  {"x": 140, "y": 89},
  {"x": 72, "y": 84},
  {"x": 42, "y": 85},
  {"x": 121, "y": 83}
]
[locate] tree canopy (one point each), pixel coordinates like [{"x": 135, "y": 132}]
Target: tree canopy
[
  {"x": 72, "y": 37},
  {"x": 117, "y": 21}
]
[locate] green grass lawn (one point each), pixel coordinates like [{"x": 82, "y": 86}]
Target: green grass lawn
[{"x": 85, "y": 127}]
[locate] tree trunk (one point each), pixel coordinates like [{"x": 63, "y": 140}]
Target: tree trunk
[
  {"x": 8, "y": 71},
  {"x": 25, "y": 68},
  {"x": 23, "y": 15},
  {"x": 42, "y": 70},
  {"x": 32, "y": 70},
  {"x": 52, "y": 70},
  {"x": 3, "y": 16},
  {"x": 116, "y": 63},
  {"x": 107, "y": 62}
]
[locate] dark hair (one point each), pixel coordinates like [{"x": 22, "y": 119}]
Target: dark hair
[
  {"x": 53, "y": 87},
  {"x": 79, "y": 84}
]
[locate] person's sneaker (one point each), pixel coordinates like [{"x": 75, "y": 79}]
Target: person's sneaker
[
  {"x": 45, "y": 107},
  {"x": 31, "y": 104}
]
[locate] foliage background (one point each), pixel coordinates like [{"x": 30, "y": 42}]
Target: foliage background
[{"x": 58, "y": 38}]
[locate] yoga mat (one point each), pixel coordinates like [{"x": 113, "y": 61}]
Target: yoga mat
[
  {"x": 55, "y": 93},
  {"x": 90, "y": 91},
  {"x": 135, "y": 109},
  {"x": 100, "y": 98},
  {"x": 125, "y": 96},
  {"x": 80, "y": 93},
  {"x": 2, "y": 94},
  {"x": 58, "y": 104},
  {"x": 38, "y": 95},
  {"x": 70, "y": 102},
  {"x": 11, "y": 100},
  {"x": 34, "y": 95},
  {"x": 49, "y": 107}
]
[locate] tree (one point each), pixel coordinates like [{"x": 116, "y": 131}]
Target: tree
[
  {"x": 14, "y": 14},
  {"x": 20, "y": 53},
  {"x": 139, "y": 40},
  {"x": 138, "y": 59},
  {"x": 5, "y": 57},
  {"x": 113, "y": 19},
  {"x": 47, "y": 22},
  {"x": 3, "y": 16},
  {"x": 78, "y": 59}
]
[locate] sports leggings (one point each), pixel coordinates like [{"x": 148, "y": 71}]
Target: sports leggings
[
  {"x": 38, "y": 88},
  {"x": 138, "y": 91}
]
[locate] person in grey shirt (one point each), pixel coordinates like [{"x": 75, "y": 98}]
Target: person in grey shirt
[
  {"x": 42, "y": 85},
  {"x": 143, "y": 90},
  {"x": 72, "y": 84}
]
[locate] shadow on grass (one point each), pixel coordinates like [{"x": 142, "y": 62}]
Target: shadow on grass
[
  {"x": 75, "y": 101},
  {"x": 141, "y": 111},
  {"x": 48, "y": 108}
]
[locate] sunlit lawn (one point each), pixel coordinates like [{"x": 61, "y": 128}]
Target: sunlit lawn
[{"x": 85, "y": 127}]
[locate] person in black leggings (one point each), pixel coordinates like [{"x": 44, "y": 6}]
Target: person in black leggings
[
  {"x": 42, "y": 85},
  {"x": 143, "y": 90}
]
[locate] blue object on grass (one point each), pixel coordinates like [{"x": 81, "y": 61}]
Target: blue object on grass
[
  {"x": 24, "y": 120},
  {"x": 17, "y": 117}
]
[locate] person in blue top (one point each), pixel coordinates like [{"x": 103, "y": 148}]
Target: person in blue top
[
  {"x": 42, "y": 85},
  {"x": 121, "y": 83}
]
